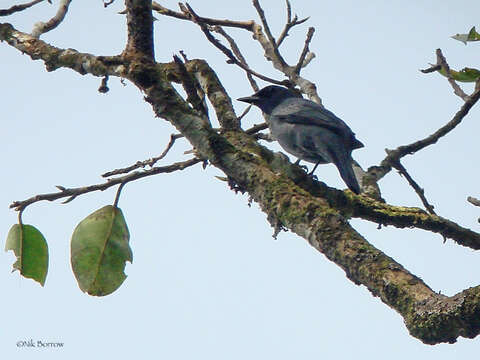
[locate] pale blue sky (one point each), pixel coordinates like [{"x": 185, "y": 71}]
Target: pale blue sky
[{"x": 207, "y": 280}]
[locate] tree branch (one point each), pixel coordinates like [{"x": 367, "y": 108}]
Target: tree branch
[
  {"x": 72, "y": 193},
  {"x": 456, "y": 88},
  {"x": 140, "y": 30},
  {"x": 42, "y": 27},
  {"x": 228, "y": 52},
  {"x": 270, "y": 37},
  {"x": 247, "y": 25},
  {"x": 21, "y": 7},
  {"x": 55, "y": 58},
  {"x": 394, "y": 155},
  {"x": 302, "y": 61},
  {"x": 305, "y": 85},
  {"x": 289, "y": 24},
  {"x": 420, "y": 192},
  {"x": 238, "y": 54},
  {"x": 150, "y": 162}
]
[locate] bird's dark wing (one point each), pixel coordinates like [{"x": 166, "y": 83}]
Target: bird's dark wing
[{"x": 308, "y": 113}]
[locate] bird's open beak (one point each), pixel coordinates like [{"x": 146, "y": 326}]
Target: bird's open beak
[{"x": 249, "y": 99}]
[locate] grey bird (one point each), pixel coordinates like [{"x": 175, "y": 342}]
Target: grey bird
[{"x": 308, "y": 131}]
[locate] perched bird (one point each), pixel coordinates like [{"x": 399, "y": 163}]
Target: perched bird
[{"x": 308, "y": 131}]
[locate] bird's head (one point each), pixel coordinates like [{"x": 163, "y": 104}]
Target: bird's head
[{"x": 268, "y": 97}]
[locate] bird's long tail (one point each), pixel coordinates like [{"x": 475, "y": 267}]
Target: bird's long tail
[{"x": 343, "y": 161}]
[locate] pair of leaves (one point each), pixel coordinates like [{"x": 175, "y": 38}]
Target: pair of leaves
[
  {"x": 99, "y": 251},
  {"x": 466, "y": 74}
]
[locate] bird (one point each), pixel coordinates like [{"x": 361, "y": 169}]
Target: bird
[{"x": 308, "y": 131}]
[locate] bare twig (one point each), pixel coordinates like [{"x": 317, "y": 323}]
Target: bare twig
[
  {"x": 245, "y": 112},
  {"x": 301, "y": 61},
  {"x": 107, "y": 3},
  {"x": 238, "y": 54},
  {"x": 247, "y": 25},
  {"x": 420, "y": 192},
  {"x": 456, "y": 88},
  {"x": 256, "y": 128},
  {"x": 227, "y": 51},
  {"x": 270, "y": 50},
  {"x": 42, "y": 27},
  {"x": 149, "y": 162},
  {"x": 432, "y": 68},
  {"x": 270, "y": 37},
  {"x": 289, "y": 24},
  {"x": 473, "y": 201},
  {"x": 385, "y": 166},
  {"x": 21, "y": 7},
  {"x": 72, "y": 193}
]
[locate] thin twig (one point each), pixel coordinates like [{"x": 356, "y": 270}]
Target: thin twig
[
  {"x": 72, "y": 193},
  {"x": 149, "y": 162},
  {"x": 305, "y": 85},
  {"x": 432, "y": 68},
  {"x": 21, "y": 7},
  {"x": 301, "y": 61},
  {"x": 107, "y": 3},
  {"x": 228, "y": 52},
  {"x": 43, "y": 27},
  {"x": 420, "y": 192},
  {"x": 270, "y": 37},
  {"x": 248, "y": 25},
  {"x": 256, "y": 128},
  {"x": 473, "y": 201},
  {"x": 385, "y": 166},
  {"x": 289, "y": 24},
  {"x": 456, "y": 88},
  {"x": 238, "y": 54},
  {"x": 245, "y": 112}
]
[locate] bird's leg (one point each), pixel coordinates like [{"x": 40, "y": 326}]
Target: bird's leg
[
  {"x": 314, "y": 168},
  {"x": 304, "y": 167}
]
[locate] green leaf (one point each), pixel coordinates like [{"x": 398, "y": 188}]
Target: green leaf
[
  {"x": 465, "y": 75},
  {"x": 31, "y": 250},
  {"x": 472, "y": 35},
  {"x": 99, "y": 251}
]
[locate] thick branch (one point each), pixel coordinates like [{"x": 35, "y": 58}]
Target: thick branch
[
  {"x": 140, "y": 30},
  {"x": 55, "y": 58},
  {"x": 216, "y": 93},
  {"x": 294, "y": 201}
]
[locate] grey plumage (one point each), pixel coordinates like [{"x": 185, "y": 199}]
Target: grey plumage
[{"x": 308, "y": 131}]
